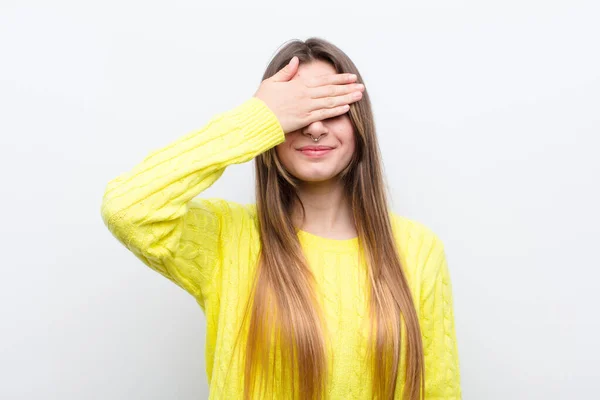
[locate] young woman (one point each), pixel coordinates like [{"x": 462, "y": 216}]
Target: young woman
[{"x": 318, "y": 290}]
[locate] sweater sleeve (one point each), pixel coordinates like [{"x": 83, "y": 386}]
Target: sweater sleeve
[
  {"x": 152, "y": 209},
  {"x": 442, "y": 374}
]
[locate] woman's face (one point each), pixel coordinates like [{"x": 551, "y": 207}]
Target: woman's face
[{"x": 336, "y": 133}]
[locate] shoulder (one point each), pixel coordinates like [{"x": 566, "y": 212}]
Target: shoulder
[
  {"x": 411, "y": 230},
  {"x": 421, "y": 250}
]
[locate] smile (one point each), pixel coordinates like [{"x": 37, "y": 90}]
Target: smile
[{"x": 315, "y": 153}]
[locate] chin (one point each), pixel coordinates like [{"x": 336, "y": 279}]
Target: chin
[
  {"x": 313, "y": 179},
  {"x": 310, "y": 175}
]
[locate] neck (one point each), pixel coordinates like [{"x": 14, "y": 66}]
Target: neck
[{"x": 327, "y": 209}]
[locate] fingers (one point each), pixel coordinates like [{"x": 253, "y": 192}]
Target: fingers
[
  {"x": 287, "y": 72},
  {"x": 329, "y": 79},
  {"x": 335, "y": 95},
  {"x": 325, "y": 113},
  {"x": 330, "y": 102},
  {"x": 335, "y": 90}
]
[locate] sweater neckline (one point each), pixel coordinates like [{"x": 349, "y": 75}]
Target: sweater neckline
[{"x": 314, "y": 241}]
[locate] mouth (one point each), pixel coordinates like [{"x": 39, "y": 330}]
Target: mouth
[
  {"x": 315, "y": 151},
  {"x": 314, "y": 148}
]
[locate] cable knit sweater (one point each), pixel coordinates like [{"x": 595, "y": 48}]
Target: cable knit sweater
[{"x": 209, "y": 247}]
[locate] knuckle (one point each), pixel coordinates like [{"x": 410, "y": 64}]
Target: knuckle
[
  {"x": 306, "y": 113},
  {"x": 307, "y": 117}
]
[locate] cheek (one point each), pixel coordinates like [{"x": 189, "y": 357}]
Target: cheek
[
  {"x": 285, "y": 150},
  {"x": 349, "y": 141},
  {"x": 281, "y": 149},
  {"x": 284, "y": 154},
  {"x": 351, "y": 149}
]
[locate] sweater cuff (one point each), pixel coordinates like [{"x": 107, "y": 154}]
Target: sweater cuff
[{"x": 260, "y": 127}]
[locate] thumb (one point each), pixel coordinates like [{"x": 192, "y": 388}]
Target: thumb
[{"x": 287, "y": 72}]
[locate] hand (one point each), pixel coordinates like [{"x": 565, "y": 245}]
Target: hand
[{"x": 297, "y": 104}]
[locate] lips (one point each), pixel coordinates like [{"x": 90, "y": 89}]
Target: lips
[
  {"x": 314, "y": 148},
  {"x": 319, "y": 152}
]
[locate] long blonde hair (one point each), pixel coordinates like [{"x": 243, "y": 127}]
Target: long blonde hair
[{"x": 284, "y": 308}]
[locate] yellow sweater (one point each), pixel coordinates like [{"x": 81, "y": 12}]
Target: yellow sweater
[{"x": 209, "y": 247}]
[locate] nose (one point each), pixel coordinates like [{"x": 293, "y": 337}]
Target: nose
[{"x": 315, "y": 130}]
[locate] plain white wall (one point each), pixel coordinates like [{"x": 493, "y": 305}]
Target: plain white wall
[{"x": 488, "y": 117}]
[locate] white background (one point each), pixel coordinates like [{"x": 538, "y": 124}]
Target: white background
[{"x": 488, "y": 116}]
